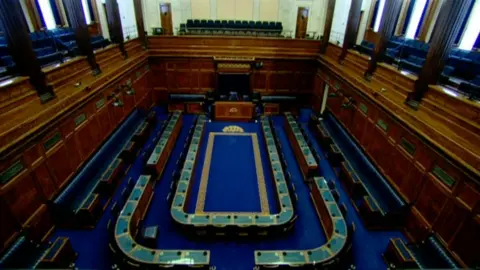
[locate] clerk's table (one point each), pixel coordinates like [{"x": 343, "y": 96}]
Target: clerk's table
[{"x": 233, "y": 111}]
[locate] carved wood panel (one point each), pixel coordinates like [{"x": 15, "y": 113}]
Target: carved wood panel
[
  {"x": 44, "y": 181},
  {"x": 22, "y": 196}
]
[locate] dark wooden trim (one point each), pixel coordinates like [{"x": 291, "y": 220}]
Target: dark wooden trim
[
  {"x": 387, "y": 26},
  {"x": 140, "y": 25},
  {"x": 115, "y": 25},
  {"x": 96, "y": 16},
  {"x": 328, "y": 25},
  {"x": 20, "y": 47},
  {"x": 34, "y": 15},
  {"x": 448, "y": 25},
  {"x": 352, "y": 28},
  {"x": 77, "y": 22}
]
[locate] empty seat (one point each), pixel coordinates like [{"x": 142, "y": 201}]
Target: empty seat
[{"x": 224, "y": 24}]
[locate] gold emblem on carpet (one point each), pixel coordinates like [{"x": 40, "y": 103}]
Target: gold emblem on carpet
[{"x": 233, "y": 129}]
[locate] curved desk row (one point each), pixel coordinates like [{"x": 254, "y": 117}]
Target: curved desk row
[
  {"x": 164, "y": 146},
  {"x": 243, "y": 222},
  {"x": 306, "y": 160},
  {"x": 333, "y": 224},
  {"x": 127, "y": 227}
]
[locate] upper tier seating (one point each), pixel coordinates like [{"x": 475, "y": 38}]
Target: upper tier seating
[
  {"x": 410, "y": 55},
  {"x": 231, "y": 27},
  {"x": 49, "y": 46}
]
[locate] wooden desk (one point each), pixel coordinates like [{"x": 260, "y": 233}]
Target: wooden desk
[{"x": 233, "y": 111}]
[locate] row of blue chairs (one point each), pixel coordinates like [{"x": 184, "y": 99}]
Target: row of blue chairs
[
  {"x": 50, "y": 47},
  {"x": 231, "y": 27},
  {"x": 237, "y": 24},
  {"x": 411, "y": 54}
]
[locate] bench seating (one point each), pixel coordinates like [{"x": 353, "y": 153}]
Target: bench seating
[
  {"x": 96, "y": 175},
  {"x": 157, "y": 160},
  {"x": 16, "y": 255},
  {"x": 307, "y": 163},
  {"x": 335, "y": 228},
  {"x": 429, "y": 254},
  {"x": 27, "y": 254},
  {"x": 377, "y": 202},
  {"x": 59, "y": 255}
]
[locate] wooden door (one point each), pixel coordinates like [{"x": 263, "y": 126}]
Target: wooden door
[
  {"x": 166, "y": 18},
  {"x": 302, "y": 21}
]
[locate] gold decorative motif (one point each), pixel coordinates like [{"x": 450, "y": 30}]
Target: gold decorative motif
[
  {"x": 233, "y": 66},
  {"x": 262, "y": 190},
  {"x": 234, "y": 58},
  {"x": 233, "y": 129}
]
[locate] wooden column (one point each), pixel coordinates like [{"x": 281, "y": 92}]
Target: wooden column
[
  {"x": 140, "y": 26},
  {"x": 115, "y": 25},
  {"x": 448, "y": 25},
  {"x": 34, "y": 15},
  {"x": 370, "y": 15},
  {"x": 429, "y": 20},
  {"x": 59, "y": 6},
  {"x": 328, "y": 26},
  {"x": 352, "y": 28},
  {"x": 402, "y": 18},
  {"x": 387, "y": 26},
  {"x": 77, "y": 22},
  {"x": 96, "y": 16},
  {"x": 20, "y": 47}
]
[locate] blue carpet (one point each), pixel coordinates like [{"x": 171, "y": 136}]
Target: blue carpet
[
  {"x": 249, "y": 193},
  {"x": 92, "y": 245},
  {"x": 368, "y": 246},
  {"x": 308, "y": 232},
  {"x": 232, "y": 182}
]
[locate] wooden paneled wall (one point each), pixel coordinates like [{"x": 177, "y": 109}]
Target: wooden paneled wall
[
  {"x": 36, "y": 173},
  {"x": 197, "y": 75},
  {"x": 444, "y": 199}
]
